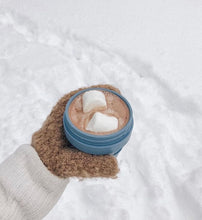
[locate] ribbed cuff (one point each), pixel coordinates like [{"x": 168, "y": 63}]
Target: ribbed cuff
[{"x": 31, "y": 190}]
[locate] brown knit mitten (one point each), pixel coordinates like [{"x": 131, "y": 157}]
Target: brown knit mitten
[{"x": 60, "y": 157}]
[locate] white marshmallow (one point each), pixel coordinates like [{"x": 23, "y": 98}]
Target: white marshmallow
[
  {"x": 92, "y": 99},
  {"x": 102, "y": 123}
]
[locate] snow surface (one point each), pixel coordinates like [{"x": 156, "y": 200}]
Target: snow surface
[{"x": 160, "y": 168}]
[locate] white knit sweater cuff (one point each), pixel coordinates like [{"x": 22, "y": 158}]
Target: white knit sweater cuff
[{"x": 28, "y": 190}]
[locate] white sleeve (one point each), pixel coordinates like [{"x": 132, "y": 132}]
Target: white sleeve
[{"x": 28, "y": 190}]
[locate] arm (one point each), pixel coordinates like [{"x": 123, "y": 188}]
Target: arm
[
  {"x": 28, "y": 190},
  {"x": 33, "y": 178}
]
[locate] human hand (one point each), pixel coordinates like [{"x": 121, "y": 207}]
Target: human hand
[{"x": 60, "y": 157}]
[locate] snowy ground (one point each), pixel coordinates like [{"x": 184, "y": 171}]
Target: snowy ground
[{"x": 41, "y": 59}]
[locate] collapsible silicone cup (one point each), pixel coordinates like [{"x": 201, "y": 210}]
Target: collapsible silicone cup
[{"x": 97, "y": 144}]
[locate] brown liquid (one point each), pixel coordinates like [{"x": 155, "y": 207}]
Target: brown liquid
[{"x": 115, "y": 107}]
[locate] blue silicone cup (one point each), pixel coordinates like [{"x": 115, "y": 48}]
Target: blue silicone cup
[{"x": 97, "y": 144}]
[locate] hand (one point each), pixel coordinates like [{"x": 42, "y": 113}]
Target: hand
[{"x": 60, "y": 157}]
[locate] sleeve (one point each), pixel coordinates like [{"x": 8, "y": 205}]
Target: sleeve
[{"x": 28, "y": 190}]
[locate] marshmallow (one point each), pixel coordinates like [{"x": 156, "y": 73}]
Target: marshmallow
[
  {"x": 102, "y": 123},
  {"x": 92, "y": 99}
]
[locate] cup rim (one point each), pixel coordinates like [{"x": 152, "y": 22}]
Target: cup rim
[{"x": 88, "y": 135}]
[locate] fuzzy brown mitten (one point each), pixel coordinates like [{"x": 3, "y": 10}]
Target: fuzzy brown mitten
[{"x": 60, "y": 157}]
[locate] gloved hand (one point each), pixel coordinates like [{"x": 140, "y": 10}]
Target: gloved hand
[{"x": 60, "y": 157}]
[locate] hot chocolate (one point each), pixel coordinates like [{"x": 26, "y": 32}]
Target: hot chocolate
[{"x": 115, "y": 107}]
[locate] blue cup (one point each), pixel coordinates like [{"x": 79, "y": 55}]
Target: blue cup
[{"x": 97, "y": 144}]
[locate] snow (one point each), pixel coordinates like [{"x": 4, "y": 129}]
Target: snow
[{"x": 41, "y": 60}]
